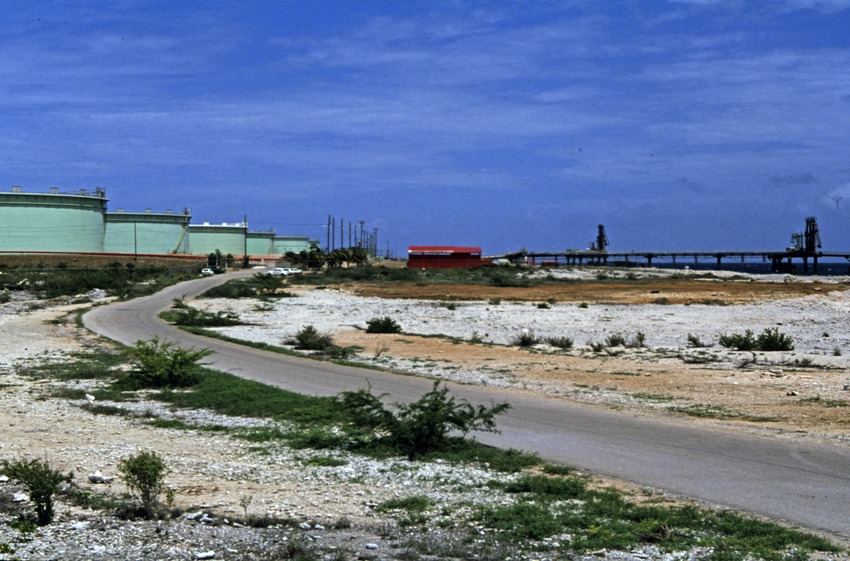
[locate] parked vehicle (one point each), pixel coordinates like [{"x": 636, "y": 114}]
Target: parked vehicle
[
  {"x": 279, "y": 272},
  {"x": 207, "y": 272}
]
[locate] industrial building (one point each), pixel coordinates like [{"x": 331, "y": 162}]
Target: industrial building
[
  {"x": 78, "y": 222},
  {"x": 444, "y": 257}
]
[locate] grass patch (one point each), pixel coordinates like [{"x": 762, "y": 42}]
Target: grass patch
[
  {"x": 602, "y": 519},
  {"x": 325, "y": 461}
]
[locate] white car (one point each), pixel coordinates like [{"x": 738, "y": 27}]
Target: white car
[
  {"x": 279, "y": 272},
  {"x": 207, "y": 272}
]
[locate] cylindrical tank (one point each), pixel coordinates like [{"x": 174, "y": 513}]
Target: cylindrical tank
[
  {"x": 295, "y": 244},
  {"x": 147, "y": 232},
  {"x": 52, "y": 221},
  {"x": 208, "y": 238},
  {"x": 261, "y": 243}
]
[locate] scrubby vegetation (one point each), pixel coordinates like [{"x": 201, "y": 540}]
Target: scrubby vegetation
[
  {"x": 144, "y": 473},
  {"x": 124, "y": 281},
  {"x": 311, "y": 339},
  {"x": 770, "y": 340},
  {"x": 164, "y": 364},
  {"x": 41, "y": 482},
  {"x": 383, "y": 324},
  {"x": 421, "y": 427}
]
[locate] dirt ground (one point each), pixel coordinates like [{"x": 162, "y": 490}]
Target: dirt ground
[
  {"x": 641, "y": 291},
  {"x": 772, "y": 395}
]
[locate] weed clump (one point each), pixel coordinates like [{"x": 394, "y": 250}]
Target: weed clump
[
  {"x": 563, "y": 343},
  {"x": 384, "y": 324},
  {"x": 525, "y": 338}
]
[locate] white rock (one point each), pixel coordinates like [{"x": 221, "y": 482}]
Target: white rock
[
  {"x": 19, "y": 498},
  {"x": 98, "y": 477},
  {"x": 205, "y": 555},
  {"x": 81, "y": 525},
  {"x": 371, "y": 546}
]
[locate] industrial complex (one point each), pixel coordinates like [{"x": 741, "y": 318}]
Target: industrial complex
[{"x": 79, "y": 222}]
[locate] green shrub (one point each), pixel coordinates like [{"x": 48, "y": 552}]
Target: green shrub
[
  {"x": 694, "y": 341},
  {"x": 41, "y": 482},
  {"x": 772, "y": 340},
  {"x": 563, "y": 343},
  {"x": 238, "y": 288},
  {"x": 423, "y": 426},
  {"x": 615, "y": 340},
  {"x": 383, "y": 324},
  {"x": 745, "y": 342},
  {"x": 192, "y": 317},
  {"x": 525, "y": 338},
  {"x": 144, "y": 473},
  {"x": 164, "y": 364},
  {"x": 309, "y": 339}
]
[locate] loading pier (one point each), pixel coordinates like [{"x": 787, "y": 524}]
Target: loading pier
[{"x": 805, "y": 247}]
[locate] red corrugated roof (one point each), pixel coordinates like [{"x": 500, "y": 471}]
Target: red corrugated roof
[{"x": 442, "y": 249}]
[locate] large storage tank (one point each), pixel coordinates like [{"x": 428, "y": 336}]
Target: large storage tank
[
  {"x": 208, "y": 238},
  {"x": 147, "y": 232},
  {"x": 295, "y": 244},
  {"x": 53, "y": 221},
  {"x": 261, "y": 243}
]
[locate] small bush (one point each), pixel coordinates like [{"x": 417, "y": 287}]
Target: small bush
[
  {"x": 772, "y": 340},
  {"x": 423, "y": 426},
  {"x": 563, "y": 343},
  {"x": 745, "y": 342},
  {"x": 638, "y": 341},
  {"x": 383, "y": 324},
  {"x": 144, "y": 474},
  {"x": 615, "y": 340},
  {"x": 41, "y": 482},
  {"x": 695, "y": 342},
  {"x": 525, "y": 339},
  {"x": 192, "y": 317},
  {"x": 231, "y": 289},
  {"x": 309, "y": 339},
  {"x": 165, "y": 365}
]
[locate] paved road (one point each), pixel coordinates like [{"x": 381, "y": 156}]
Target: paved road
[{"x": 800, "y": 483}]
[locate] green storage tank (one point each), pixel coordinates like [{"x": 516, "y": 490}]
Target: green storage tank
[
  {"x": 147, "y": 232},
  {"x": 206, "y": 238},
  {"x": 261, "y": 243},
  {"x": 295, "y": 244},
  {"x": 54, "y": 221}
]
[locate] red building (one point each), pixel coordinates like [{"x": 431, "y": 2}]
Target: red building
[{"x": 444, "y": 257}]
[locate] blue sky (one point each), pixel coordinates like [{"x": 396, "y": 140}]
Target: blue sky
[{"x": 679, "y": 125}]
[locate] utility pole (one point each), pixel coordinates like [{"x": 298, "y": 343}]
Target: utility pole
[
  {"x": 245, "y": 246},
  {"x": 328, "y": 244}
]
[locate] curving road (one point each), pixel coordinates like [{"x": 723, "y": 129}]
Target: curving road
[{"x": 800, "y": 483}]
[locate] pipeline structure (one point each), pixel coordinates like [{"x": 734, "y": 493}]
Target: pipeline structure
[{"x": 805, "y": 246}]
